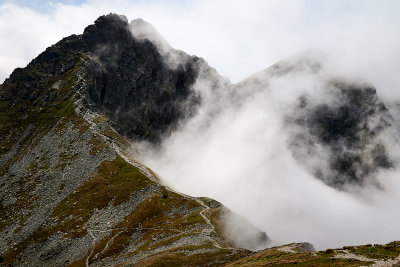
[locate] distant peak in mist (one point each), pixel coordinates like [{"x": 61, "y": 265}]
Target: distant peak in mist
[
  {"x": 307, "y": 61},
  {"x": 141, "y": 29}
]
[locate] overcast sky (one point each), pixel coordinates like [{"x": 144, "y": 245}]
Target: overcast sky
[{"x": 237, "y": 38}]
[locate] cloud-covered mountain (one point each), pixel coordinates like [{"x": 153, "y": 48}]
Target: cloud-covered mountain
[
  {"x": 299, "y": 145},
  {"x": 338, "y": 127},
  {"x": 70, "y": 191},
  {"x": 81, "y": 124}
]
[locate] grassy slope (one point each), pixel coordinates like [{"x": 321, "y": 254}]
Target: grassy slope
[
  {"x": 358, "y": 256},
  {"x": 113, "y": 184},
  {"x": 18, "y": 114}
]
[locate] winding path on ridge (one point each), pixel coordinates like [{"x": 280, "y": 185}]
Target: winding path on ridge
[
  {"x": 207, "y": 231},
  {"x": 156, "y": 179},
  {"x": 374, "y": 262},
  {"x": 202, "y": 213}
]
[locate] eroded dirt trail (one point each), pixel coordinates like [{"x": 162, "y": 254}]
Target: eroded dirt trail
[{"x": 374, "y": 262}]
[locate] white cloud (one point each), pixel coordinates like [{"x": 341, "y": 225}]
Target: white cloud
[
  {"x": 242, "y": 159},
  {"x": 24, "y": 33},
  {"x": 239, "y": 38},
  {"x": 236, "y": 37}
]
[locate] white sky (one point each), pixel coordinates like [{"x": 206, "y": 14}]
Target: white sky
[{"x": 237, "y": 38}]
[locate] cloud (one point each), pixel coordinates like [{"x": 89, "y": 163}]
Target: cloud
[
  {"x": 238, "y": 38},
  {"x": 242, "y": 159},
  {"x": 241, "y": 156},
  {"x": 24, "y": 33}
]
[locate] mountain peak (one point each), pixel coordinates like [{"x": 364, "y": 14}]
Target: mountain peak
[
  {"x": 110, "y": 19},
  {"x": 65, "y": 129},
  {"x": 72, "y": 193},
  {"x": 143, "y": 29},
  {"x": 107, "y": 29},
  {"x": 307, "y": 61}
]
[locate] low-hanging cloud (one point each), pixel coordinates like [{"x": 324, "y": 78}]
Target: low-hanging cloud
[
  {"x": 241, "y": 158},
  {"x": 235, "y": 150}
]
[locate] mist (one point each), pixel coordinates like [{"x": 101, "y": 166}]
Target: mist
[
  {"x": 239, "y": 155},
  {"x": 235, "y": 149}
]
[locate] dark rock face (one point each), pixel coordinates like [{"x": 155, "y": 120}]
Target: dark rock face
[
  {"x": 131, "y": 83},
  {"x": 126, "y": 79},
  {"x": 344, "y": 129},
  {"x": 29, "y": 83}
]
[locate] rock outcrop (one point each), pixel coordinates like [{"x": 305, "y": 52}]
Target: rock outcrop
[{"x": 131, "y": 82}]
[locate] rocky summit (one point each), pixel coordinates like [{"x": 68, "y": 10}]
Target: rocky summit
[{"x": 72, "y": 194}]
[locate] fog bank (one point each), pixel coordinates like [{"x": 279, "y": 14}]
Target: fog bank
[{"x": 239, "y": 156}]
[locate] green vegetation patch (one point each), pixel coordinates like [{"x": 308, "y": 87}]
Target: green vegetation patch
[
  {"x": 97, "y": 145},
  {"x": 23, "y": 201},
  {"x": 214, "y": 258},
  {"x": 388, "y": 251},
  {"x": 275, "y": 257},
  {"x": 114, "y": 182},
  {"x": 155, "y": 216},
  {"x": 215, "y": 216},
  {"x": 118, "y": 139},
  {"x": 39, "y": 236},
  {"x": 100, "y": 119},
  {"x": 41, "y": 114}
]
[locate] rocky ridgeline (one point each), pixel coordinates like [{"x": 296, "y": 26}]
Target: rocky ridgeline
[
  {"x": 127, "y": 79},
  {"x": 70, "y": 193}
]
